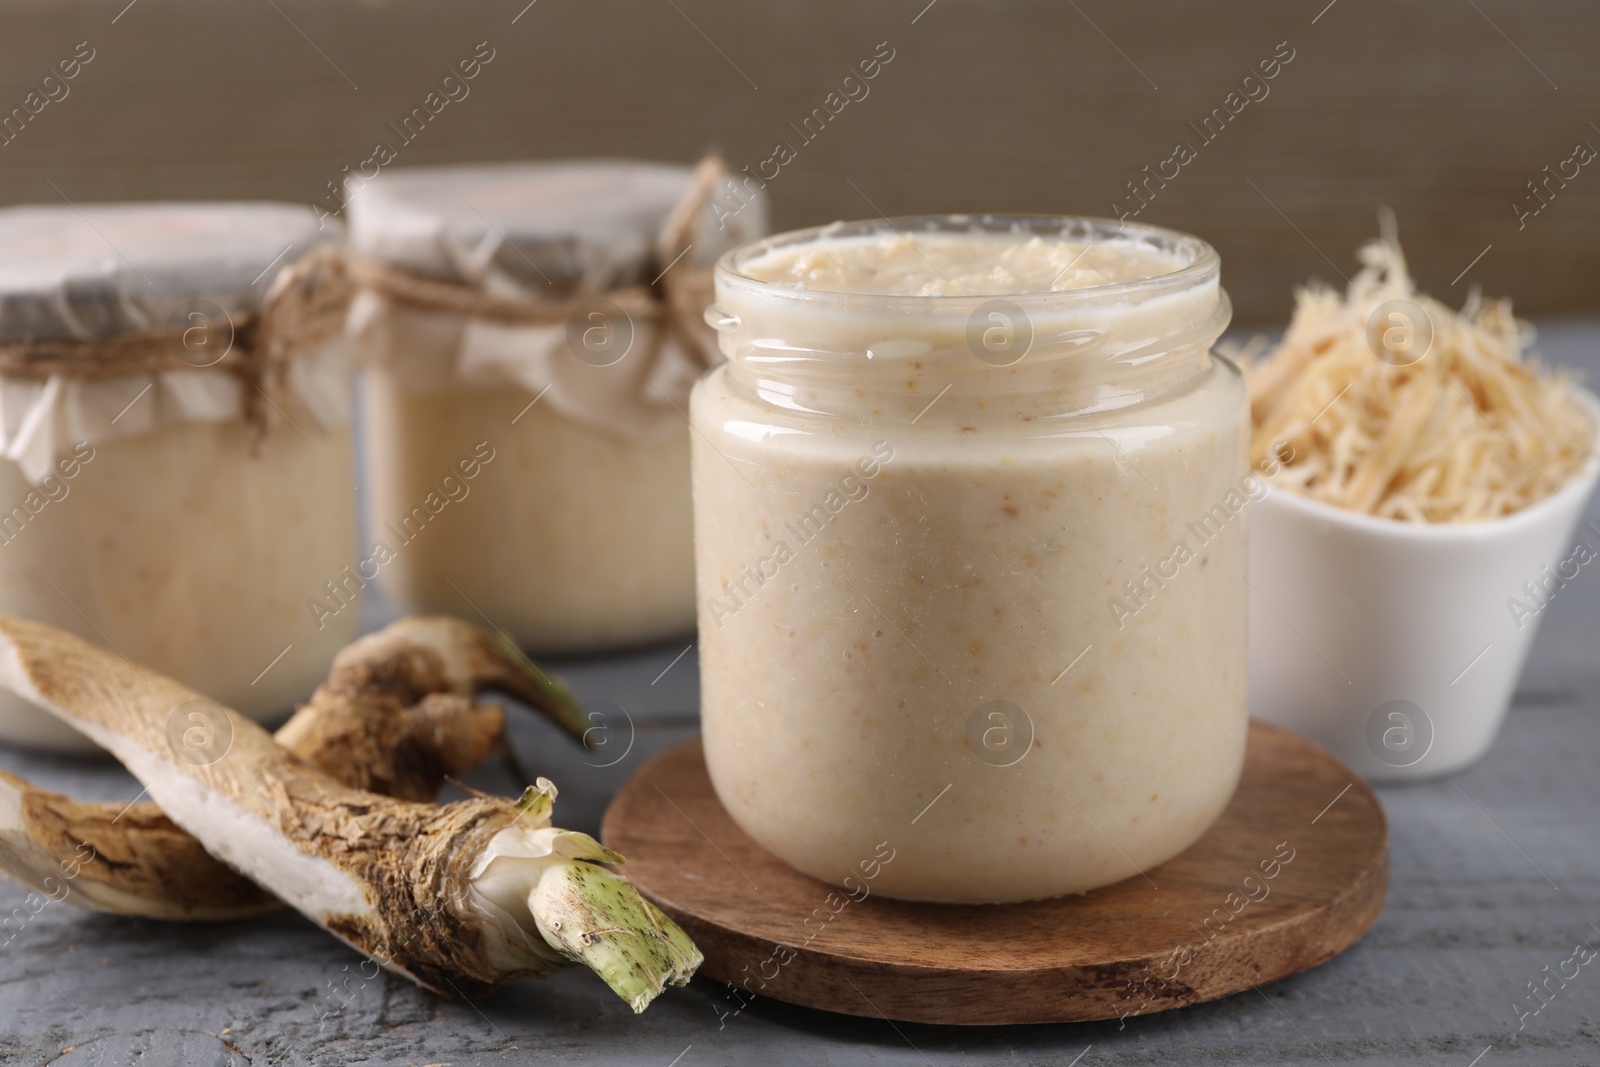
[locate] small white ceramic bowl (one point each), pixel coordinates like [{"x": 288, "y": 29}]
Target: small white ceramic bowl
[{"x": 1398, "y": 646}]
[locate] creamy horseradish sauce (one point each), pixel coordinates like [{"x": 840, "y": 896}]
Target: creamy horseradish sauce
[
  {"x": 971, "y": 552},
  {"x": 948, "y": 265}
]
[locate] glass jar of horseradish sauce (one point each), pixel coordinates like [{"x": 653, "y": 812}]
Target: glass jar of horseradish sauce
[
  {"x": 529, "y": 334},
  {"x": 176, "y": 477},
  {"x": 971, "y": 551}
]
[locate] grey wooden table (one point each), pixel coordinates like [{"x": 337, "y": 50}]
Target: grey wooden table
[{"x": 1496, "y": 877}]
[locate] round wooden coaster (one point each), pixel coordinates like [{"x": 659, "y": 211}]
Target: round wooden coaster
[{"x": 1292, "y": 874}]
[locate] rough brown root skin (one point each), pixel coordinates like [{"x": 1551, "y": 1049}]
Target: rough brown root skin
[
  {"x": 394, "y": 717},
  {"x": 406, "y": 857},
  {"x": 393, "y": 749},
  {"x": 132, "y": 862},
  {"x": 425, "y": 655}
]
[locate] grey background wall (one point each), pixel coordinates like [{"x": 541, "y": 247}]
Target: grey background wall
[{"x": 1443, "y": 109}]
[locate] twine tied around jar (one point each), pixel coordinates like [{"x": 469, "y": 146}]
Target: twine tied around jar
[
  {"x": 675, "y": 301},
  {"x": 304, "y": 306}
]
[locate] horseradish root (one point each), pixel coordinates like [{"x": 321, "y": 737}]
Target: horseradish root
[
  {"x": 457, "y": 897},
  {"x": 393, "y": 717}
]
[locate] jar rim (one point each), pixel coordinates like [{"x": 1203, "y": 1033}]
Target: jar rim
[{"x": 1201, "y": 263}]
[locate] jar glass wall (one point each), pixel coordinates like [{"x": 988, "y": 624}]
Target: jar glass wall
[{"x": 971, "y": 562}]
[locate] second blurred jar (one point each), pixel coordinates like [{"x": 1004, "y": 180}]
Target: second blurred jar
[{"x": 530, "y": 333}]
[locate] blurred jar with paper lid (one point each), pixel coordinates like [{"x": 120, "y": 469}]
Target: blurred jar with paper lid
[
  {"x": 528, "y": 335},
  {"x": 176, "y": 480}
]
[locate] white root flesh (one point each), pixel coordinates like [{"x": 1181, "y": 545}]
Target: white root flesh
[{"x": 457, "y": 897}]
